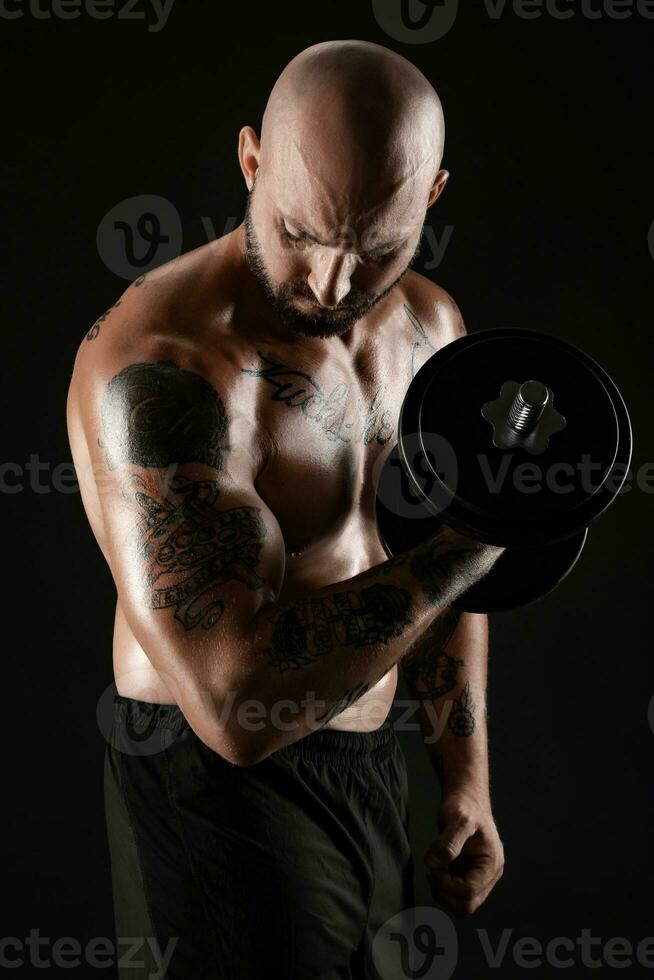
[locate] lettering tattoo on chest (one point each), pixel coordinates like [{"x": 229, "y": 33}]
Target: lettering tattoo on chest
[
  {"x": 157, "y": 416},
  {"x": 297, "y": 389},
  {"x": 304, "y": 630}
]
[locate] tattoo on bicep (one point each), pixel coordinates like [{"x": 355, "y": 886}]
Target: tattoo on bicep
[
  {"x": 299, "y": 390},
  {"x": 303, "y": 630},
  {"x": 191, "y": 548},
  {"x": 157, "y": 414},
  {"x": 429, "y": 670},
  {"x": 462, "y": 716}
]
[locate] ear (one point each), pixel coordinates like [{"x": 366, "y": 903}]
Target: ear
[
  {"x": 249, "y": 149},
  {"x": 442, "y": 178}
]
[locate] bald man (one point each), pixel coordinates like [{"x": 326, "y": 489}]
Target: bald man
[{"x": 227, "y": 418}]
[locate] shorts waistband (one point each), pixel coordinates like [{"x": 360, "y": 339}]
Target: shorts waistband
[
  {"x": 143, "y": 716},
  {"x": 148, "y": 714}
]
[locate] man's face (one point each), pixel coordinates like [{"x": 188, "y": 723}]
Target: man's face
[{"x": 322, "y": 280}]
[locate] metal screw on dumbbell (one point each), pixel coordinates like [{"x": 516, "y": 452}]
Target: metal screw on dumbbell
[
  {"x": 523, "y": 417},
  {"x": 453, "y": 402}
]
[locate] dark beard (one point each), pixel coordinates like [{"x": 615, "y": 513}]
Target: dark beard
[{"x": 330, "y": 322}]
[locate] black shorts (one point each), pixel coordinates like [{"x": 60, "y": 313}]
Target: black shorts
[{"x": 287, "y": 868}]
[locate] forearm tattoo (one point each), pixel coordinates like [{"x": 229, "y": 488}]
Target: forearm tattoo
[
  {"x": 299, "y": 390},
  {"x": 429, "y": 670},
  {"x": 462, "y": 716},
  {"x": 438, "y": 567},
  {"x": 306, "y": 629},
  {"x": 154, "y": 416}
]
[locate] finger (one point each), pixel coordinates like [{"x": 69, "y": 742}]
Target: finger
[
  {"x": 448, "y": 845},
  {"x": 458, "y": 900}
]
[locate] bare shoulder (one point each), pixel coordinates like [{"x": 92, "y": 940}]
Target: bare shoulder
[
  {"x": 432, "y": 310},
  {"x": 155, "y": 332}
]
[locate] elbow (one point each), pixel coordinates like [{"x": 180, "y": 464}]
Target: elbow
[
  {"x": 237, "y": 731},
  {"x": 239, "y": 747},
  {"x": 233, "y": 723}
]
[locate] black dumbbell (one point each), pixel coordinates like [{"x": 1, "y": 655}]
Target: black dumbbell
[{"x": 513, "y": 438}]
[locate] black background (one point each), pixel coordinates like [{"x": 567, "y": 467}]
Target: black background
[{"x": 548, "y": 142}]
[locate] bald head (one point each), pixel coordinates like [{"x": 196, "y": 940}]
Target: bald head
[
  {"x": 347, "y": 164},
  {"x": 357, "y": 113}
]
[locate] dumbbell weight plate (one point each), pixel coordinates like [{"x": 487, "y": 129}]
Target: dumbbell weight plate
[
  {"x": 520, "y": 576},
  {"x": 488, "y": 493}
]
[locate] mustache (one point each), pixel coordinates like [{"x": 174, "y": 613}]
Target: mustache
[{"x": 300, "y": 290}]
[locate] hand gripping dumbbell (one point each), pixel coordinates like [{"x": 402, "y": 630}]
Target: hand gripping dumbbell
[{"x": 513, "y": 438}]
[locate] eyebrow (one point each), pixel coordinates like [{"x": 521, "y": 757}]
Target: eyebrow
[{"x": 307, "y": 234}]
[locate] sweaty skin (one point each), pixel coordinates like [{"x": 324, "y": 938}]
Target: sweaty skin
[{"x": 307, "y": 318}]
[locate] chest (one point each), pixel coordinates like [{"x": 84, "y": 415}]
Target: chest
[{"x": 330, "y": 425}]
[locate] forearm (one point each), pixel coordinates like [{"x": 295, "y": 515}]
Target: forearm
[
  {"x": 446, "y": 671},
  {"x": 320, "y": 653}
]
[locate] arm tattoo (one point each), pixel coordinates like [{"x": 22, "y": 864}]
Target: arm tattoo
[
  {"x": 436, "y": 565},
  {"x": 298, "y": 390},
  {"x": 158, "y": 415},
  {"x": 303, "y": 630},
  {"x": 462, "y": 716},
  {"x": 190, "y": 548},
  {"x": 429, "y": 670},
  {"x": 95, "y": 329}
]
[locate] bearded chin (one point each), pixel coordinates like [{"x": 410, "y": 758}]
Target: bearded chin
[{"x": 311, "y": 325}]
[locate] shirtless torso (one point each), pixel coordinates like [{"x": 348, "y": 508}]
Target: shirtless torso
[{"x": 324, "y": 413}]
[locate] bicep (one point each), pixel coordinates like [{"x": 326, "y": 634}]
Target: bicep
[{"x": 194, "y": 551}]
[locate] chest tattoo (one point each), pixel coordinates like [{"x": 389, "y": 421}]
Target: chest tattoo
[{"x": 368, "y": 422}]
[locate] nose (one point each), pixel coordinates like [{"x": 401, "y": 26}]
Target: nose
[{"x": 329, "y": 279}]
